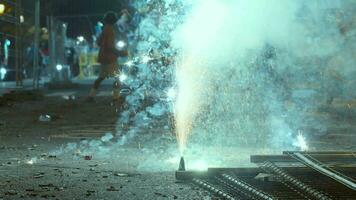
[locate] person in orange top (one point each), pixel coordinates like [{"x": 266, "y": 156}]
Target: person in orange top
[{"x": 108, "y": 55}]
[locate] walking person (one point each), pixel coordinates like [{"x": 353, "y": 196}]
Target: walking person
[{"x": 108, "y": 55}]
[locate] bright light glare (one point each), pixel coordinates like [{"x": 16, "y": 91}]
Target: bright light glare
[
  {"x": 171, "y": 94},
  {"x": 122, "y": 77},
  {"x": 7, "y": 42},
  {"x": 80, "y": 38},
  {"x": 32, "y": 161},
  {"x": 199, "y": 165},
  {"x": 146, "y": 59},
  {"x": 3, "y": 71},
  {"x": 59, "y": 67},
  {"x": 129, "y": 63},
  {"x": 301, "y": 142},
  {"x": 22, "y": 19},
  {"x": 2, "y": 8},
  {"x": 120, "y": 44}
]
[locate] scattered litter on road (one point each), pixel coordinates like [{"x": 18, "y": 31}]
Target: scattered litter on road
[
  {"x": 31, "y": 161},
  {"x": 90, "y": 192},
  {"x": 160, "y": 194},
  {"x": 121, "y": 174},
  {"x": 112, "y": 189},
  {"x": 39, "y": 175},
  {"x": 46, "y": 185},
  {"x": 88, "y": 157},
  {"x": 11, "y": 193},
  {"x": 45, "y": 118},
  {"x": 59, "y": 188}
]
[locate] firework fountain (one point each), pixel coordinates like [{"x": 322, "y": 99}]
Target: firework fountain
[
  {"x": 235, "y": 69},
  {"x": 245, "y": 76}
]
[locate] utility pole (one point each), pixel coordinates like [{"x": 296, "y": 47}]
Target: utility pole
[
  {"x": 52, "y": 46},
  {"x": 36, "y": 46},
  {"x": 18, "y": 46}
]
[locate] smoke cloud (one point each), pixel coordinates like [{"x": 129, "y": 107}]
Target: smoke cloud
[{"x": 253, "y": 72}]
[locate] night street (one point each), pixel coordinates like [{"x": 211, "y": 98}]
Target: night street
[
  {"x": 40, "y": 160},
  {"x": 178, "y": 99}
]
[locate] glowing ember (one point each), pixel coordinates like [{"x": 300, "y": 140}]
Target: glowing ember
[
  {"x": 129, "y": 63},
  {"x": 122, "y": 77},
  {"x": 301, "y": 142},
  {"x": 146, "y": 59},
  {"x": 171, "y": 94}
]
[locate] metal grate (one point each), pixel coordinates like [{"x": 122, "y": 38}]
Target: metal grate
[{"x": 287, "y": 182}]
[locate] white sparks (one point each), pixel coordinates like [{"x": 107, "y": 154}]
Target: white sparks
[
  {"x": 122, "y": 77},
  {"x": 171, "y": 94},
  {"x": 301, "y": 142},
  {"x": 129, "y": 63},
  {"x": 146, "y": 59}
]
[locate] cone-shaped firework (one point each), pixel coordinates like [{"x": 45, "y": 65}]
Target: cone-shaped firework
[{"x": 181, "y": 164}]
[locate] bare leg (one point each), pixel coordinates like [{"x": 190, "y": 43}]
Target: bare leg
[
  {"x": 98, "y": 82},
  {"x": 96, "y": 86}
]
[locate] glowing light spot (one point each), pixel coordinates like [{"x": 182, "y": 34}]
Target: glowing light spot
[
  {"x": 301, "y": 142},
  {"x": 3, "y": 71},
  {"x": 171, "y": 94},
  {"x": 7, "y": 42},
  {"x": 2, "y": 8},
  {"x": 59, "y": 67},
  {"x": 120, "y": 44},
  {"x": 80, "y": 38},
  {"x": 22, "y": 19},
  {"x": 129, "y": 63},
  {"x": 146, "y": 59},
  {"x": 122, "y": 77},
  {"x": 199, "y": 165},
  {"x": 31, "y": 161}
]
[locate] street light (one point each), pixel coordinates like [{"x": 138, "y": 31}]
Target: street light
[
  {"x": 2, "y": 8},
  {"x": 22, "y": 19},
  {"x": 59, "y": 67},
  {"x": 81, "y": 38}
]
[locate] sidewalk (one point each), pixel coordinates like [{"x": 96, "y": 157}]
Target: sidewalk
[{"x": 82, "y": 90}]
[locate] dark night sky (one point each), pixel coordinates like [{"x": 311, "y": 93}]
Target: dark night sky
[{"x": 81, "y": 15}]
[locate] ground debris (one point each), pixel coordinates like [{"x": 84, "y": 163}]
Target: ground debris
[
  {"x": 88, "y": 157},
  {"x": 160, "y": 194},
  {"x": 11, "y": 193},
  {"x": 112, "y": 189},
  {"x": 90, "y": 192},
  {"x": 121, "y": 174},
  {"x": 39, "y": 175},
  {"x": 46, "y": 185}
]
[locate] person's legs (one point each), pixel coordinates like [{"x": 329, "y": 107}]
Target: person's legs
[{"x": 96, "y": 86}]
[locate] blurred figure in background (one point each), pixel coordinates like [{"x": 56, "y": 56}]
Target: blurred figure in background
[{"x": 108, "y": 55}]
